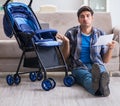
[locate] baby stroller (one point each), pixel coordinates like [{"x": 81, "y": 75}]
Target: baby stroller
[{"x": 40, "y": 48}]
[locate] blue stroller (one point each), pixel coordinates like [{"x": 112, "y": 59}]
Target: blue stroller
[{"x": 40, "y": 48}]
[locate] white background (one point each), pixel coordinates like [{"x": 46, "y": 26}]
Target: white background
[{"x": 73, "y": 5}]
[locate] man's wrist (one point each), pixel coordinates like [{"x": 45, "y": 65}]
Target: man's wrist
[
  {"x": 110, "y": 49},
  {"x": 66, "y": 40}
]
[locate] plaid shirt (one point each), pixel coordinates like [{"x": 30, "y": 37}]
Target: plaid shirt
[{"x": 96, "y": 52}]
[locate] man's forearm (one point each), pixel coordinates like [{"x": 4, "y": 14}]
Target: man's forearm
[
  {"x": 66, "y": 49},
  {"x": 107, "y": 56}
]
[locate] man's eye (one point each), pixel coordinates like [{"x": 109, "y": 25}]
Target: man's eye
[
  {"x": 88, "y": 15},
  {"x": 81, "y": 16}
]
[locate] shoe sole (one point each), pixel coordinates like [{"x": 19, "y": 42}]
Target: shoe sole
[
  {"x": 104, "y": 82},
  {"x": 96, "y": 76}
]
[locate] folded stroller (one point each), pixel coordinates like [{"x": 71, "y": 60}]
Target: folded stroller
[{"x": 40, "y": 48}]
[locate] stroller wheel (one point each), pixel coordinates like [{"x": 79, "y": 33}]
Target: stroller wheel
[
  {"x": 17, "y": 79},
  {"x": 53, "y": 82},
  {"x": 46, "y": 84},
  {"x": 33, "y": 76},
  {"x": 69, "y": 80},
  {"x": 10, "y": 79},
  {"x": 39, "y": 76}
]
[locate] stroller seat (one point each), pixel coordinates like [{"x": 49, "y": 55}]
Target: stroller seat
[
  {"x": 41, "y": 38},
  {"x": 40, "y": 48}
]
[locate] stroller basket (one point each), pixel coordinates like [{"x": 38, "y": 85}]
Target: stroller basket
[{"x": 40, "y": 48}]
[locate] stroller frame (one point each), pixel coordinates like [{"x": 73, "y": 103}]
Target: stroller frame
[{"x": 47, "y": 83}]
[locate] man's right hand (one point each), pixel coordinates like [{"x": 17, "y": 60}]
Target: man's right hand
[
  {"x": 64, "y": 39},
  {"x": 66, "y": 45}
]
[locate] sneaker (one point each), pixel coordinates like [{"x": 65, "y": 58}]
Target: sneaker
[
  {"x": 95, "y": 76},
  {"x": 104, "y": 84},
  {"x": 98, "y": 93}
]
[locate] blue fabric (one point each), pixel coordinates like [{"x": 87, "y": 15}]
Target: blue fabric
[
  {"x": 18, "y": 12},
  {"x": 47, "y": 33},
  {"x": 47, "y": 38},
  {"x": 7, "y": 27},
  {"x": 85, "y": 49},
  {"x": 84, "y": 77}
]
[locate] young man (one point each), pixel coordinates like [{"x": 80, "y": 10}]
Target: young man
[{"x": 84, "y": 59}]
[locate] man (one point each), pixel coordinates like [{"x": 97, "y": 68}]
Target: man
[{"x": 84, "y": 59}]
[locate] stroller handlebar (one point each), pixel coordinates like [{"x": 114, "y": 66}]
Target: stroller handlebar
[{"x": 10, "y": 0}]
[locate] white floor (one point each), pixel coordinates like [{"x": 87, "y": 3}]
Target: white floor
[{"x": 31, "y": 94}]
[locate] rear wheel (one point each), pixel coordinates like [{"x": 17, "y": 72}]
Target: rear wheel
[
  {"x": 69, "y": 80},
  {"x": 52, "y": 82},
  {"x": 46, "y": 84}
]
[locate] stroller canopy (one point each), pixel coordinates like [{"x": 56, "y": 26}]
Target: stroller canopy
[{"x": 17, "y": 12}]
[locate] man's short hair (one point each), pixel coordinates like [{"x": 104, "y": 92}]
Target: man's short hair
[{"x": 84, "y": 8}]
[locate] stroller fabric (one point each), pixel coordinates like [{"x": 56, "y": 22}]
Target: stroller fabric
[{"x": 25, "y": 26}]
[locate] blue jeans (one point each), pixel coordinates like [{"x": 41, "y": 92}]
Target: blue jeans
[{"x": 84, "y": 77}]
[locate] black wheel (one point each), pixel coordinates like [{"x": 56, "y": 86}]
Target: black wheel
[
  {"x": 33, "y": 76},
  {"x": 69, "y": 81},
  {"x": 46, "y": 84},
  {"x": 17, "y": 79},
  {"x": 52, "y": 82},
  {"x": 10, "y": 80},
  {"x": 39, "y": 76}
]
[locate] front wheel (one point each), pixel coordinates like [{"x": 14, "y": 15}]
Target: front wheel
[
  {"x": 33, "y": 76},
  {"x": 10, "y": 80},
  {"x": 17, "y": 79},
  {"x": 39, "y": 76}
]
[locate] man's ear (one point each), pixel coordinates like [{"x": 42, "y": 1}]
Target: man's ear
[
  {"x": 92, "y": 17},
  {"x": 78, "y": 20}
]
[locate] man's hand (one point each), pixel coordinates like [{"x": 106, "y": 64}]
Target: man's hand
[
  {"x": 108, "y": 55},
  {"x": 63, "y": 38},
  {"x": 66, "y": 45},
  {"x": 112, "y": 45}
]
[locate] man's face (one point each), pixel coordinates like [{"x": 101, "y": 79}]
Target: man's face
[{"x": 85, "y": 19}]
